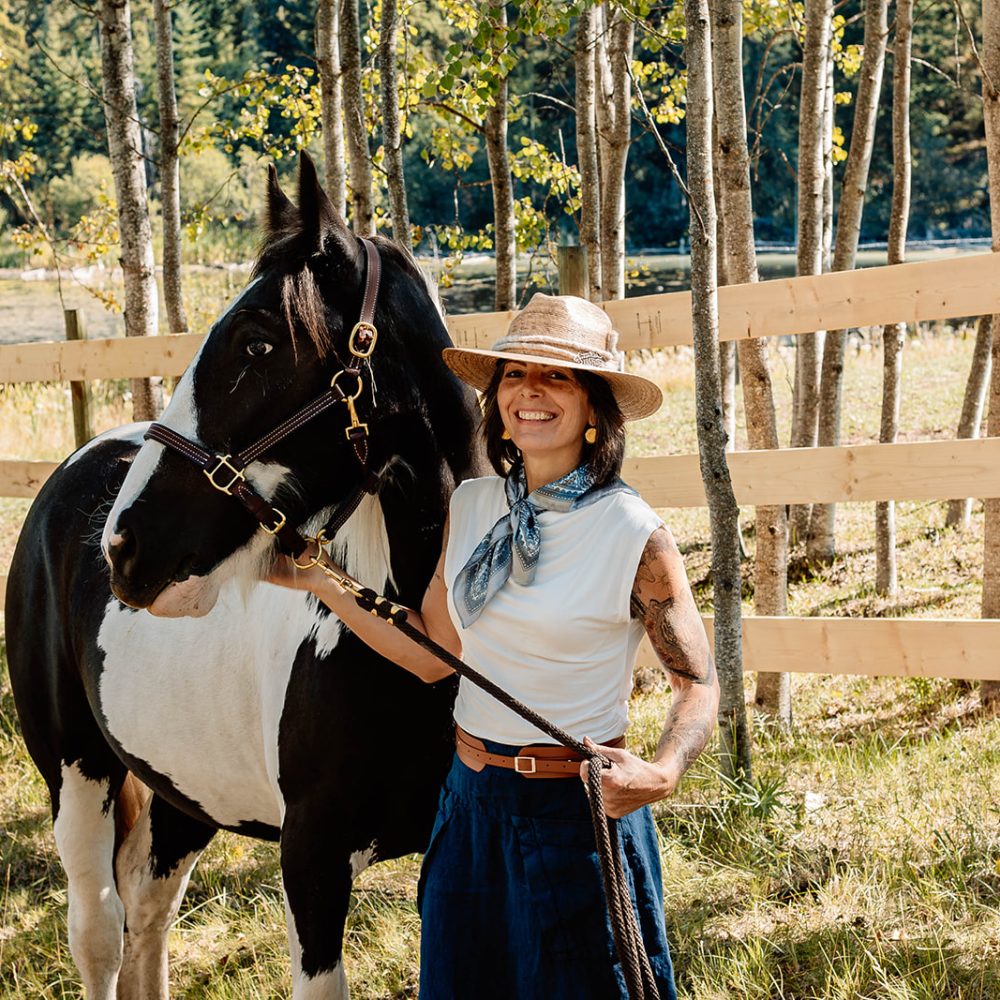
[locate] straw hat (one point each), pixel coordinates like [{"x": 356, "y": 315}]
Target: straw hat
[{"x": 566, "y": 332}]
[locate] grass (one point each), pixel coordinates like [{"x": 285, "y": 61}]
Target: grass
[{"x": 866, "y": 863}]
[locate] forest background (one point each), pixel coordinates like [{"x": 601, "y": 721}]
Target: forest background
[{"x": 247, "y": 89}]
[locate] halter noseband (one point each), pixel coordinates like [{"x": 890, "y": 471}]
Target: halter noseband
[{"x": 227, "y": 473}]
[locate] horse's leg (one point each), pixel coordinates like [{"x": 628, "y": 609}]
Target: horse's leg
[
  {"x": 85, "y": 838},
  {"x": 316, "y": 872},
  {"x": 153, "y": 866}
]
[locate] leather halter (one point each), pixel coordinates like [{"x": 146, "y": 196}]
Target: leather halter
[{"x": 227, "y": 472}]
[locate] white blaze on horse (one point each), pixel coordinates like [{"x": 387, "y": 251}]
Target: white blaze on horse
[{"x": 155, "y": 653}]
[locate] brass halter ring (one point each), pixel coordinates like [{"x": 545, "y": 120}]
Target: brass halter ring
[
  {"x": 317, "y": 559},
  {"x": 349, "y": 402}
]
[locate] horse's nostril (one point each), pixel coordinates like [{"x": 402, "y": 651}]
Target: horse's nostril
[{"x": 121, "y": 550}]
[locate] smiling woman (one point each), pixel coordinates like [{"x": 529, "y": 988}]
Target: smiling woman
[{"x": 550, "y": 573}]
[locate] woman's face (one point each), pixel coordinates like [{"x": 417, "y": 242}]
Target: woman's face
[{"x": 544, "y": 409}]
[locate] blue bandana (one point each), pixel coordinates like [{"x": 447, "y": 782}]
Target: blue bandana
[{"x": 512, "y": 545}]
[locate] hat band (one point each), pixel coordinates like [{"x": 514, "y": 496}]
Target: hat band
[{"x": 559, "y": 349}]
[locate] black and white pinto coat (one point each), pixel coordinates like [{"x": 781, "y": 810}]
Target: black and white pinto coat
[{"x": 235, "y": 703}]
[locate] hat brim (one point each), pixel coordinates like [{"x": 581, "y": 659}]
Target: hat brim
[{"x": 636, "y": 395}]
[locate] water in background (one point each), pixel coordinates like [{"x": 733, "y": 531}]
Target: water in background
[{"x": 30, "y": 310}]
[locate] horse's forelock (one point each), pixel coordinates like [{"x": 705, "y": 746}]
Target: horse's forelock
[{"x": 302, "y": 300}]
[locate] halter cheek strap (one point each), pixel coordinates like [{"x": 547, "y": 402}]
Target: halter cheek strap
[{"x": 227, "y": 472}]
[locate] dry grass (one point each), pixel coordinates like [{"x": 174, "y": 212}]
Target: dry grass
[{"x": 866, "y": 864}]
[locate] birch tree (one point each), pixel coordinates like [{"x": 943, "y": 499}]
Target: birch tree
[
  {"x": 990, "y": 690},
  {"x": 809, "y": 243},
  {"x": 125, "y": 150},
  {"x": 356, "y": 128},
  {"x": 773, "y": 695},
  {"x": 969, "y": 423},
  {"x": 331, "y": 83},
  {"x": 894, "y": 334},
  {"x": 392, "y": 139},
  {"x": 170, "y": 191},
  {"x": 723, "y": 512},
  {"x": 586, "y": 148},
  {"x": 614, "y": 127},
  {"x": 502, "y": 185},
  {"x": 822, "y": 543}
]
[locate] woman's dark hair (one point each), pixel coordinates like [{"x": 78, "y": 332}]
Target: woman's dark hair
[{"x": 604, "y": 456}]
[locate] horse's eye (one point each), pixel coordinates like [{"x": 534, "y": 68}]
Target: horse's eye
[{"x": 258, "y": 348}]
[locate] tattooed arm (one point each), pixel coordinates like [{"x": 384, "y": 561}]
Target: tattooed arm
[{"x": 662, "y": 601}]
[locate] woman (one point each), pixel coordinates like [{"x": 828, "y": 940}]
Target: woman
[{"x": 549, "y": 574}]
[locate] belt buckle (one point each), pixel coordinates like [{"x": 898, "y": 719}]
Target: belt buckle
[{"x": 532, "y": 761}]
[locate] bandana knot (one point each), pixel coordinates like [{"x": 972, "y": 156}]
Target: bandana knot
[{"x": 512, "y": 546}]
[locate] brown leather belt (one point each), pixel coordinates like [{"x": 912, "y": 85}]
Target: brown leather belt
[{"x": 530, "y": 762}]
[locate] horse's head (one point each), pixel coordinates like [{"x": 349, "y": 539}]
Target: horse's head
[{"x": 171, "y": 538}]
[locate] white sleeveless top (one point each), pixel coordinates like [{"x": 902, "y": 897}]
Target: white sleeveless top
[{"x": 565, "y": 644}]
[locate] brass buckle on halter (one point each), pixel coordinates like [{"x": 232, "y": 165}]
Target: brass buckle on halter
[
  {"x": 222, "y": 462},
  {"x": 281, "y": 522},
  {"x": 352, "y": 340},
  {"x": 356, "y": 424}
]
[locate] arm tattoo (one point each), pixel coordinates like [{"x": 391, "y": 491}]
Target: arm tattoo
[
  {"x": 672, "y": 626},
  {"x": 685, "y": 738}
]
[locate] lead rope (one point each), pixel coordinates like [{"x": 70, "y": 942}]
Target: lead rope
[{"x": 628, "y": 939}]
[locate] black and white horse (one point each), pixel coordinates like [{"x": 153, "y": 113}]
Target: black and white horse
[{"x": 242, "y": 705}]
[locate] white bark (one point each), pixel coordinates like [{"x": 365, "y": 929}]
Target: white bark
[
  {"x": 170, "y": 192},
  {"x": 586, "y": 148},
  {"x": 331, "y": 82},
  {"x": 391, "y": 136},
  {"x": 502, "y": 184},
  {"x": 894, "y": 334},
  {"x": 822, "y": 541},
  {"x": 723, "y": 512},
  {"x": 990, "y": 690},
  {"x": 973, "y": 403},
  {"x": 355, "y": 126},
  {"x": 127, "y": 165},
  {"x": 614, "y": 126},
  {"x": 773, "y": 695}
]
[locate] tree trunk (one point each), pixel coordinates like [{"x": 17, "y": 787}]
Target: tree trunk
[
  {"x": 170, "y": 192},
  {"x": 723, "y": 512},
  {"x": 822, "y": 540},
  {"x": 586, "y": 149},
  {"x": 989, "y": 691},
  {"x": 124, "y": 147},
  {"x": 358, "y": 154},
  {"x": 813, "y": 138},
  {"x": 894, "y": 334},
  {"x": 773, "y": 695},
  {"x": 614, "y": 126},
  {"x": 391, "y": 136},
  {"x": 959, "y": 511},
  {"x": 503, "y": 194},
  {"x": 331, "y": 83}
]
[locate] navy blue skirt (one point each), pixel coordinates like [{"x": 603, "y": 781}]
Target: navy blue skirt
[{"x": 511, "y": 899}]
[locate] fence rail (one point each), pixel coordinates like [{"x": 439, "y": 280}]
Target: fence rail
[
  {"x": 926, "y": 470},
  {"x": 929, "y": 290}
]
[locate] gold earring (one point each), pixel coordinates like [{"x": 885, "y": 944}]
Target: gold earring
[
  {"x": 506, "y": 435},
  {"x": 590, "y": 435}
]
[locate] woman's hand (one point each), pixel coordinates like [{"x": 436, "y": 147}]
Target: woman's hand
[
  {"x": 285, "y": 573},
  {"x": 630, "y": 782}
]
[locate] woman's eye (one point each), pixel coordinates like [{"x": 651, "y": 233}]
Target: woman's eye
[
  {"x": 513, "y": 373},
  {"x": 258, "y": 348}
]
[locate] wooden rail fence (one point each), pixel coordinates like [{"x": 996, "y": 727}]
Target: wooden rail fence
[{"x": 927, "y": 470}]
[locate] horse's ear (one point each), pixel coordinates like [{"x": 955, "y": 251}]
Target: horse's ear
[
  {"x": 321, "y": 222},
  {"x": 281, "y": 214}
]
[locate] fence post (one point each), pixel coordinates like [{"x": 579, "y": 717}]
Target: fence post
[
  {"x": 573, "y": 271},
  {"x": 79, "y": 391}
]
